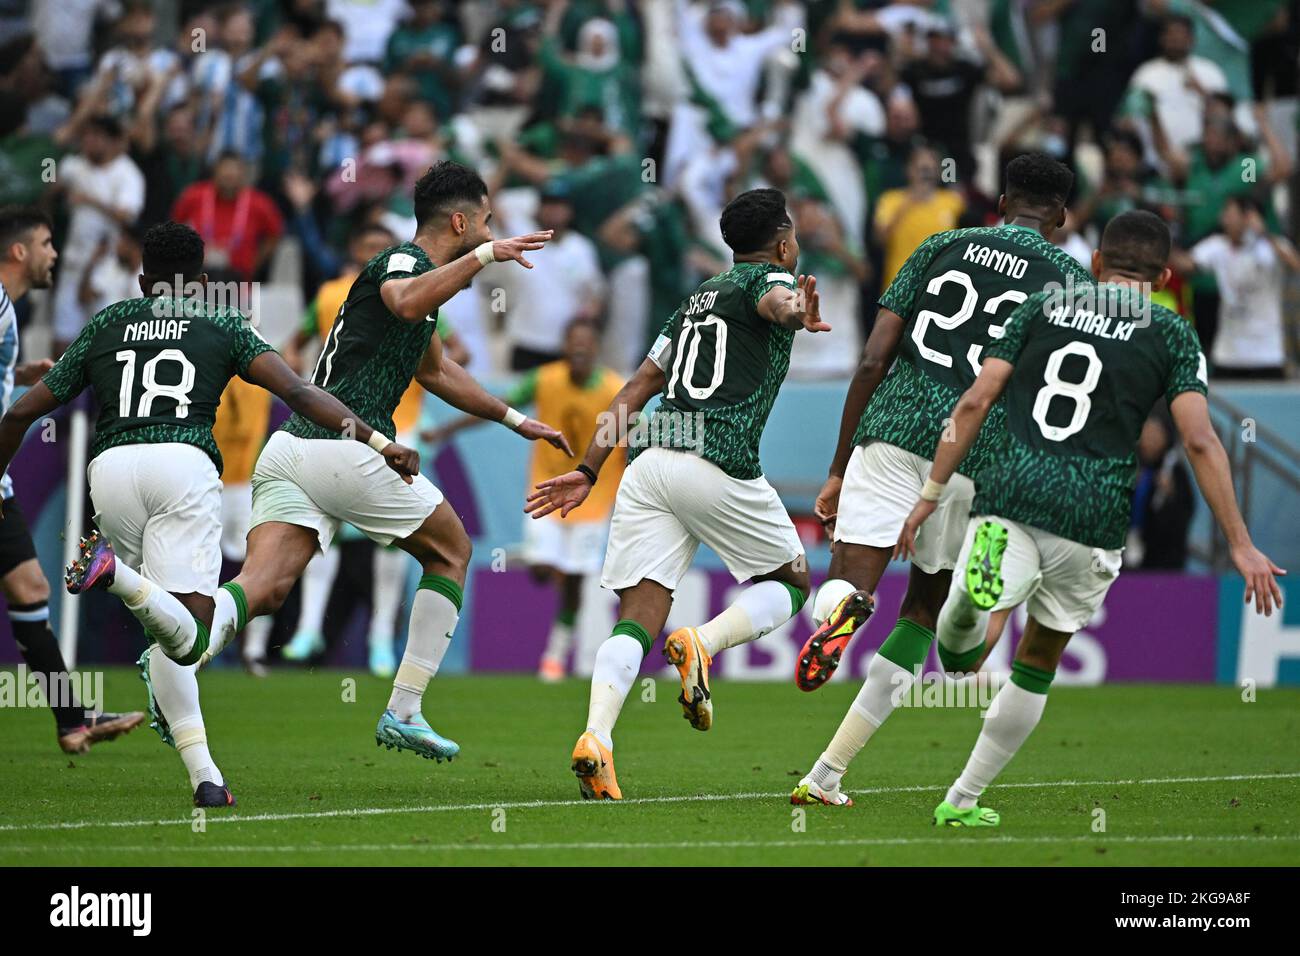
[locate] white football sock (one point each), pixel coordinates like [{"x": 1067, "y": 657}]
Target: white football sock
[
  {"x": 176, "y": 692},
  {"x": 256, "y": 636},
  {"x": 885, "y": 686},
  {"x": 166, "y": 620},
  {"x": 759, "y": 610},
  {"x": 225, "y": 626},
  {"x": 433, "y": 621},
  {"x": 617, "y": 663},
  {"x": 1012, "y": 717},
  {"x": 961, "y": 626},
  {"x": 317, "y": 582},
  {"x": 389, "y": 585},
  {"x": 558, "y": 641},
  {"x": 831, "y": 593}
]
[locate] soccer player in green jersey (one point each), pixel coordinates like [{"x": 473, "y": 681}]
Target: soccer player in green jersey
[
  {"x": 306, "y": 482},
  {"x": 947, "y": 303},
  {"x": 718, "y": 364},
  {"x": 1080, "y": 371},
  {"x": 157, "y": 366}
]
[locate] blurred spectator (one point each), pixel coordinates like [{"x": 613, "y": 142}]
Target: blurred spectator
[
  {"x": 66, "y": 33},
  {"x": 1177, "y": 82},
  {"x": 1067, "y": 238},
  {"x": 599, "y": 74},
  {"x": 1250, "y": 265},
  {"x": 424, "y": 47},
  {"x": 239, "y": 223},
  {"x": 114, "y": 272},
  {"x": 171, "y": 159},
  {"x": 104, "y": 191},
  {"x": 25, "y": 76},
  {"x": 564, "y": 284},
  {"x": 367, "y": 24},
  {"x": 1127, "y": 182},
  {"x": 1163, "y": 501},
  {"x": 229, "y": 116},
  {"x": 907, "y": 217}
]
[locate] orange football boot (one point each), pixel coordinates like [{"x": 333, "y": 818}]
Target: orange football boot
[
  {"x": 684, "y": 650},
  {"x": 593, "y": 765},
  {"x": 821, "y": 654}
]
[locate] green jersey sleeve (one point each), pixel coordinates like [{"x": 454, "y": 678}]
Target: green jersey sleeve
[
  {"x": 401, "y": 262},
  {"x": 1017, "y": 330},
  {"x": 310, "y": 325},
  {"x": 246, "y": 344},
  {"x": 68, "y": 377},
  {"x": 1187, "y": 371},
  {"x": 900, "y": 298}
]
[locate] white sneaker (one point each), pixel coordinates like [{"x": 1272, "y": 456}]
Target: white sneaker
[{"x": 808, "y": 792}]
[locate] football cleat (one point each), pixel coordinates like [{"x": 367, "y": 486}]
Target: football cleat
[
  {"x": 593, "y": 765},
  {"x": 550, "y": 670},
  {"x": 382, "y": 663},
  {"x": 414, "y": 735},
  {"x": 946, "y": 815},
  {"x": 94, "y": 565},
  {"x": 303, "y": 646},
  {"x": 821, "y": 654},
  {"x": 97, "y": 729},
  {"x": 213, "y": 795},
  {"x": 808, "y": 793},
  {"x": 684, "y": 650},
  {"x": 984, "y": 566}
]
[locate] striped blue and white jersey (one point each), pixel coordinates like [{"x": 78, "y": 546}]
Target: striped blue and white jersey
[{"x": 8, "y": 359}]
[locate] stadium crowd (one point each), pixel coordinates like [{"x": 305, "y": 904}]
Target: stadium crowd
[{"x": 287, "y": 131}]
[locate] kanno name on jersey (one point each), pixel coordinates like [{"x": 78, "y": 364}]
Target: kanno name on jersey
[
  {"x": 1087, "y": 372},
  {"x": 724, "y": 364},
  {"x": 954, "y": 294}
]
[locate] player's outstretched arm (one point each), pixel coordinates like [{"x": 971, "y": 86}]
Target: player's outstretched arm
[
  {"x": 36, "y": 402},
  {"x": 797, "y": 309},
  {"x": 316, "y": 405},
  {"x": 441, "y": 376},
  {"x": 565, "y": 492},
  {"x": 419, "y": 296},
  {"x": 877, "y": 356},
  {"x": 1209, "y": 461},
  {"x": 968, "y": 417}
]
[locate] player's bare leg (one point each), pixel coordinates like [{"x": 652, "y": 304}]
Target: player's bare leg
[
  {"x": 1012, "y": 717},
  {"x": 843, "y": 603},
  {"x": 443, "y": 549},
  {"x": 559, "y": 641},
  {"x": 889, "y": 676},
  {"x": 770, "y": 601},
  {"x": 643, "y": 610}
]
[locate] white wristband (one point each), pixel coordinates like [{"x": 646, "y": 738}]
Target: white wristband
[
  {"x": 484, "y": 253},
  {"x": 932, "y": 490},
  {"x": 513, "y": 419},
  {"x": 378, "y": 441}
]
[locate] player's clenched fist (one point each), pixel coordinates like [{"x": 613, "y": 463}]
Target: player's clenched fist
[{"x": 405, "y": 461}]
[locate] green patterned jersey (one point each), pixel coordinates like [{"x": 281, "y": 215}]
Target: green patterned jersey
[
  {"x": 370, "y": 355},
  {"x": 954, "y": 293},
  {"x": 157, "y": 367},
  {"x": 1089, "y": 365},
  {"x": 724, "y": 364}
]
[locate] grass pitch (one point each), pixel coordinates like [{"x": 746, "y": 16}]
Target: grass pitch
[{"x": 1184, "y": 775}]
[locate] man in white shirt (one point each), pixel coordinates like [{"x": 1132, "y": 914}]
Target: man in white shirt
[
  {"x": 1179, "y": 82},
  {"x": 1249, "y": 265},
  {"x": 566, "y": 283},
  {"x": 104, "y": 190}
]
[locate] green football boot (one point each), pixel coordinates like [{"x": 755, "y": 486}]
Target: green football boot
[
  {"x": 946, "y": 815},
  {"x": 984, "y": 566}
]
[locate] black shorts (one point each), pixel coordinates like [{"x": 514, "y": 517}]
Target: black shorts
[{"x": 16, "y": 545}]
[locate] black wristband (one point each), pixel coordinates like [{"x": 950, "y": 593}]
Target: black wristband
[{"x": 590, "y": 475}]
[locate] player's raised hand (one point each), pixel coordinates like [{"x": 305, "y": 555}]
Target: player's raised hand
[
  {"x": 1261, "y": 583},
  {"x": 827, "y": 505},
  {"x": 503, "y": 250},
  {"x": 810, "y": 305},
  {"x": 906, "y": 546},
  {"x": 561, "y": 494},
  {"x": 29, "y": 373},
  {"x": 532, "y": 429},
  {"x": 405, "y": 461}
]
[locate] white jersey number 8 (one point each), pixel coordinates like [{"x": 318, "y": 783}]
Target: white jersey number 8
[
  {"x": 1078, "y": 392},
  {"x": 180, "y": 391}
]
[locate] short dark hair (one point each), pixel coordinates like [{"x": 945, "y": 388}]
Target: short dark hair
[
  {"x": 445, "y": 185},
  {"x": 1177, "y": 19},
  {"x": 751, "y": 221},
  {"x": 364, "y": 229},
  {"x": 16, "y": 224},
  {"x": 108, "y": 125},
  {"x": 1136, "y": 243},
  {"x": 1036, "y": 179},
  {"x": 170, "y": 249}
]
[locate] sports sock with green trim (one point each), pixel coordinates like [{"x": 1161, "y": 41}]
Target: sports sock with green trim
[
  {"x": 617, "y": 662},
  {"x": 165, "y": 619},
  {"x": 889, "y": 677},
  {"x": 176, "y": 695},
  {"x": 1012, "y": 717},
  {"x": 434, "y": 613},
  {"x": 961, "y": 630},
  {"x": 560, "y": 638},
  {"x": 229, "y": 616},
  {"x": 759, "y": 610},
  {"x": 829, "y": 595}
]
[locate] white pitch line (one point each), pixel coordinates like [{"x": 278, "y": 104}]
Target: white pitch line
[
  {"x": 538, "y": 804},
  {"x": 683, "y": 845}
]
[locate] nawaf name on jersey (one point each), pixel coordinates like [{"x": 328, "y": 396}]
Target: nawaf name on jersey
[
  {"x": 724, "y": 365},
  {"x": 371, "y": 355},
  {"x": 158, "y": 367},
  {"x": 954, "y": 293},
  {"x": 1089, "y": 367}
]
